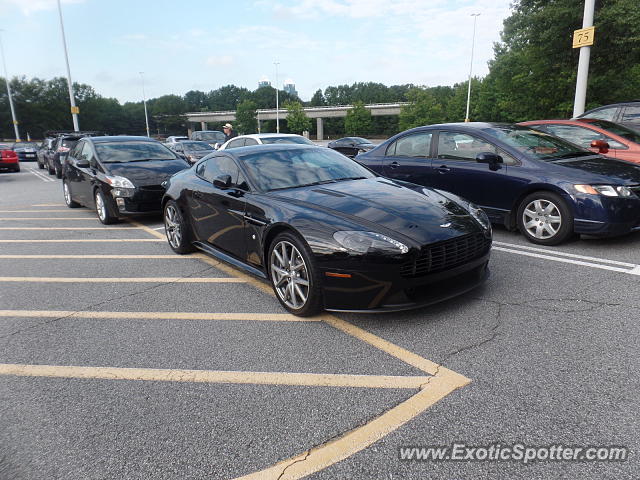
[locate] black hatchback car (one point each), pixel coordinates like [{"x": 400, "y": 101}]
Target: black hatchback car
[
  {"x": 351, "y": 146},
  {"x": 118, "y": 175}
]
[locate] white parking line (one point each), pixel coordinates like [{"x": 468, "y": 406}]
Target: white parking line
[
  {"x": 562, "y": 257},
  {"x": 41, "y": 176}
]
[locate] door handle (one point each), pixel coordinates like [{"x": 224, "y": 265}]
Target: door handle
[
  {"x": 394, "y": 165},
  {"x": 443, "y": 169}
]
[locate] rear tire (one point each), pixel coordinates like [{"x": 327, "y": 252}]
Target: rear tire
[
  {"x": 103, "y": 209},
  {"x": 41, "y": 166},
  {"x": 294, "y": 276},
  {"x": 59, "y": 172},
  {"x": 177, "y": 229},
  {"x": 51, "y": 171},
  {"x": 545, "y": 218},
  {"x": 17, "y": 169},
  {"x": 67, "y": 195}
]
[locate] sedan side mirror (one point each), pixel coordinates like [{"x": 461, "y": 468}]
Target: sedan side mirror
[
  {"x": 492, "y": 159},
  {"x": 82, "y": 164},
  {"x": 223, "y": 182},
  {"x": 601, "y": 145}
]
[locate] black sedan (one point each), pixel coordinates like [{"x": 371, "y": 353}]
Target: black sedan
[
  {"x": 327, "y": 232},
  {"x": 27, "y": 151},
  {"x": 351, "y": 146},
  {"x": 191, "y": 150},
  {"x": 118, "y": 175}
]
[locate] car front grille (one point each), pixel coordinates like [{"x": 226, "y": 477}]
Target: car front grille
[{"x": 446, "y": 255}]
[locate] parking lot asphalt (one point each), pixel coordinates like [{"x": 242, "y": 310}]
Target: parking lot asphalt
[{"x": 120, "y": 359}]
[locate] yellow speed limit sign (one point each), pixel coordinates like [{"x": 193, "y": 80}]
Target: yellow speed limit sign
[
  {"x": 75, "y": 110},
  {"x": 583, "y": 37}
]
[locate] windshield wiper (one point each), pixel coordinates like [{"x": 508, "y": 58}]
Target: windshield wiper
[{"x": 348, "y": 178}]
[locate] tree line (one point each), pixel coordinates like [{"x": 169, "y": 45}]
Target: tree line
[{"x": 531, "y": 76}]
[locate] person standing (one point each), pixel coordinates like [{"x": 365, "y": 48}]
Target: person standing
[{"x": 229, "y": 132}]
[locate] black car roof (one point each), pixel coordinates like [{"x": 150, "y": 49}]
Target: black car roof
[
  {"x": 273, "y": 147},
  {"x": 122, "y": 138}
]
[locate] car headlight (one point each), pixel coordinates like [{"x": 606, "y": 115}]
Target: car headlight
[
  {"x": 480, "y": 216},
  {"x": 369, "y": 242},
  {"x": 119, "y": 182},
  {"x": 606, "y": 190}
]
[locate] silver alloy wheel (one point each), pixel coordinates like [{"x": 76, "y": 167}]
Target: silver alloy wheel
[
  {"x": 67, "y": 193},
  {"x": 172, "y": 226},
  {"x": 101, "y": 207},
  {"x": 289, "y": 275},
  {"x": 542, "y": 219}
]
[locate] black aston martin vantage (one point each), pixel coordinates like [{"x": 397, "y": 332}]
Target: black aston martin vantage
[{"x": 326, "y": 231}]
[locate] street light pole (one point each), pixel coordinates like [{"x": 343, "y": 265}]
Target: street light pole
[
  {"x": 72, "y": 100},
  {"x": 583, "y": 63},
  {"x": 144, "y": 100},
  {"x": 6, "y": 79},
  {"x": 473, "y": 42},
  {"x": 277, "y": 100}
]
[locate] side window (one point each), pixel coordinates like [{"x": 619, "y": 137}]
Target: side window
[
  {"x": 236, "y": 143},
  {"x": 460, "y": 146},
  {"x": 250, "y": 141},
  {"x": 216, "y": 166},
  {"x": 415, "y": 145},
  {"x": 603, "y": 114},
  {"x": 87, "y": 152},
  {"x": 75, "y": 151},
  {"x": 631, "y": 114}
]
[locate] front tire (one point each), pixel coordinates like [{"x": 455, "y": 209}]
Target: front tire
[
  {"x": 67, "y": 195},
  {"x": 545, "y": 218},
  {"x": 102, "y": 209},
  {"x": 294, "y": 276},
  {"x": 176, "y": 228}
]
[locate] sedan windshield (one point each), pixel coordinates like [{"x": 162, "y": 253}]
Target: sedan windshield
[
  {"x": 212, "y": 136},
  {"x": 301, "y": 140},
  {"x": 196, "y": 146},
  {"x": 620, "y": 130},
  {"x": 301, "y": 167},
  {"x": 535, "y": 144},
  {"x": 132, "y": 152}
]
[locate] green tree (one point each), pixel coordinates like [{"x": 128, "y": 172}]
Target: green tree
[
  {"x": 358, "y": 120},
  {"x": 297, "y": 120},
  {"x": 423, "y": 109},
  {"x": 246, "y": 121},
  {"x": 318, "y": 99}
]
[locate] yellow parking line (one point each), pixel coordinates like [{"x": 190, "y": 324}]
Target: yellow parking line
[
  {"x": 256, "y": 317},
  {"x": 84, "y": 240},
  {"x": 123, "y": 279},
  {"x": 99, "y": 257},
  {"x": 214, "y": 376},
  {"x": 323, "y": 456},
  {"x": 69, "y": 228},
  {"x": 149, "y": 230}
]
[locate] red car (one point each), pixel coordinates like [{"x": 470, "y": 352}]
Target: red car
[
  {"x": 599, "y": 136},
  {"x": 9, "y": 160}
]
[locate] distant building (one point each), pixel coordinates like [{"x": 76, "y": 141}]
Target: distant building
[
  {"x": 264, "y": 82},
  {"x": 290, "y": 87}
]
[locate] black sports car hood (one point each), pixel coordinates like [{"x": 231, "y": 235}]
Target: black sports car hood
[
  {"x": 423, "y": 217},
  {"x": 606, "y": 168},
  {"x": 151, "y": 172}
]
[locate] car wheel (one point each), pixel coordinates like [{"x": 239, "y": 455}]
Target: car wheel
[
  {"x": 103, "y": 210},
  {"x": 67, "y": 195},
  {"x": 545, "y": 218},
  {"x": 176, "y": 228},
  {"x": 294, "y": 276},
  {"x": 17, "y": 169},
  {"x": 51, "y": 170},
  {"x": 41, "y": 166}
]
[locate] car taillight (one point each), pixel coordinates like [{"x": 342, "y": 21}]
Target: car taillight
[
  {"x": 63, "y": 149},
  {"x": 9, "y": 156}
]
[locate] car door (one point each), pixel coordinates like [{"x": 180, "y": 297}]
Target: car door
[
  {"x": 458, "y": 172},
  {"x": 408, "y": 158},
  {"x": 217, "y": 214}
]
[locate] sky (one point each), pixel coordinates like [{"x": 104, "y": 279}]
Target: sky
[{"x": 204, "y": 45}]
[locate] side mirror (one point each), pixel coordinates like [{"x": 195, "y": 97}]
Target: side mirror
[
  {"x": 223, "y": 182},
  {"x": 216, "y": 146},
  {"x": 492, "y": 159},
  {"x": 82, "y": 164},
  {"x": 601, "y": 145}
]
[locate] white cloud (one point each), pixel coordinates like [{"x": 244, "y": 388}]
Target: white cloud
[
  {"x": 30, "y": 6},
  {"x": 219, "y": 61}
]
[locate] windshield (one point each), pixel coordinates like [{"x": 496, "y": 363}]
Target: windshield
[
  {"x": 196, "y": 146},
  {"x": 535, "y": 144},
  {"x": 616, "y": 129},
  {"x": 301, "y": 140},
  {"x": 212, "y": 136},
  {"x": 299, "y": 167},
  {"x": 359, "y": 140},
  {"x": 132, "y": 152}
]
